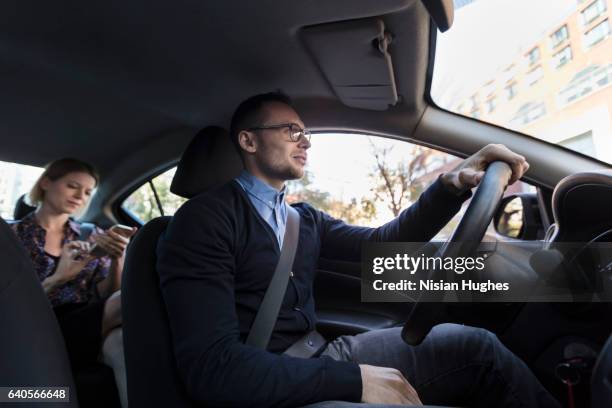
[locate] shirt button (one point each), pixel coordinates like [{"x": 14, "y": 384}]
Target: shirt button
[
  {"x": 297, "y": 308},
  {"x": 291, "y": 274}
]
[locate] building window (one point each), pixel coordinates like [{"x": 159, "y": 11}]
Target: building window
[
  {"x": 533, "y": 56},
  {"x": 473, "y": 103},
  {"x": 562, "y": 57},
  {"x": 534, "y": 75},
  {"x": 586, "y": 82},
  {"x": 489, "y": 88},
  {"x": 597, "y": 34},
  {"x": 490, "y": 104},
  {"x": 511, "y": 89},
  {"x": 528, "y": 113},
  {"x": 559, "y": 36},
  {"x": 508, "y": 74},
  {"x": 592, "y": 11}
]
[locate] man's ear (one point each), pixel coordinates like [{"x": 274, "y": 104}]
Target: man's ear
[{"x": 247, "y": 141}]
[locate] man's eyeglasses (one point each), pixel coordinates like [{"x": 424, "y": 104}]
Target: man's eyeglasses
[{"x": 295, "y": 132}]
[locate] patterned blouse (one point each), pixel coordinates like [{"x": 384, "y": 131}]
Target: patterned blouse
[{"x": 79, "y": 290}]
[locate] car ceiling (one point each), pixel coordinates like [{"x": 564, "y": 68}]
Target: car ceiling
[{"x": 99, "y": 80}]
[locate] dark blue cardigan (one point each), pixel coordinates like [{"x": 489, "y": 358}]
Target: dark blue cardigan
[{"x": 215, "y": 262}]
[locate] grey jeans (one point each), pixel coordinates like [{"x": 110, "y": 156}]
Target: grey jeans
[{"x": 454, "y": 366}]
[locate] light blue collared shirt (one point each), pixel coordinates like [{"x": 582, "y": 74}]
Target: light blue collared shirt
[{"x": 269, "y": 203}]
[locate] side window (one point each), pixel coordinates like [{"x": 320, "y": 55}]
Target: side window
[
  {"x": 153, "y": 198},
  {"x": 16, "y": 180},
  {"x": 368, "y": 180}
]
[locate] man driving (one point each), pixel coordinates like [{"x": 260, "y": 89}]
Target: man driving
[{"x": 220, "y": 251}]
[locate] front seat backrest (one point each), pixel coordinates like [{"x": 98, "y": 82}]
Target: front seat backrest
[
  {"x": 32, "y": 349},
  {"x": 152, "y": 376}
]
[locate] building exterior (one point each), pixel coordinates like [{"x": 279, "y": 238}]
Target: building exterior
[{"x": 560, "y": 88}]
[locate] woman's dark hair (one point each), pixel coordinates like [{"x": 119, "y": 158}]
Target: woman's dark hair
[
  {"x": 250, "y": 113},
  {"x": 55, "y": 171}
]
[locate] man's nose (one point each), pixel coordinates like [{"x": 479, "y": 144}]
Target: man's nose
[{"x": 304, "y": 143}]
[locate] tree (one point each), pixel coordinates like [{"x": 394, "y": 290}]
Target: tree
[
  {"x": 142, "y": 202},
  {"x": 399, "y": 185},
  {"x": 353, "y": 212}
]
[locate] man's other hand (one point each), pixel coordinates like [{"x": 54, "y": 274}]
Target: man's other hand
[
  {"x": 469, "y": 173},
  {"x": 383, "y": 385}
]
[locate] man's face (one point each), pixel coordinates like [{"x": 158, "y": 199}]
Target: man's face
[{"x": 276, "y": 155}]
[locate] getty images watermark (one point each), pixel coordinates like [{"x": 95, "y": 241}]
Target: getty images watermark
[{"x": 487, "y": 272}]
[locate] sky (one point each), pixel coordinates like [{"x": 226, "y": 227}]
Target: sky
[
  {"x": 341, "y": 162},
  {"x": 485, "y": 37}
]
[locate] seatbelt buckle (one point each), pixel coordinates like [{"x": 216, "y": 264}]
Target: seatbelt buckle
[{"x": 308, "y": 346}]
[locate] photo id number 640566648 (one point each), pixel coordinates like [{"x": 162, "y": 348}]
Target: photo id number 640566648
[{"x": 34, "y": 394}]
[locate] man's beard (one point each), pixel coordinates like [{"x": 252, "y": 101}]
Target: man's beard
[{"x": 282, "y": 172}]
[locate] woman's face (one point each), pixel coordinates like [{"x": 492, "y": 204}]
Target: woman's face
[{"x": 69, "y": 193}]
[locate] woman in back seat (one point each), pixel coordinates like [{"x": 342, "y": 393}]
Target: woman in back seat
[{"x": 83, "y": 287}]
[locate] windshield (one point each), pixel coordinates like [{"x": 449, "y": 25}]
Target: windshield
[{"x": 542, "y": 67}]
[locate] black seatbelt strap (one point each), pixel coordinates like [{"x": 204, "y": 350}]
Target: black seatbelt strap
[{"x": 261, "y": 330}]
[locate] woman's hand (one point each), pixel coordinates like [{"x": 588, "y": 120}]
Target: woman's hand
[
  {"x": 72, "y": 260},
  {"x": 113, "y": 243}
]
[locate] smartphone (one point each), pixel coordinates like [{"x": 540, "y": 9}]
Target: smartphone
[
  {"x": 97, "y": 251},
  {"x": 122, "y": 230}
]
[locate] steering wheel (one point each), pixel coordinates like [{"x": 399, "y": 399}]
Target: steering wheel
[{"x": 465, "y": 240}]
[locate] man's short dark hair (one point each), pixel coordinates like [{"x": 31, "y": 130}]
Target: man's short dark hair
[{"x": 250, "y": 113}]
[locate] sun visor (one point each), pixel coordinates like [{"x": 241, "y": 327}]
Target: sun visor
[{"x": 354, "y": 58}]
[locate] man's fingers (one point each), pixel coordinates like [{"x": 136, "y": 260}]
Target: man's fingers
[
  {"x": 470, "y": 177},
  {"x": 499, "y": 152}
]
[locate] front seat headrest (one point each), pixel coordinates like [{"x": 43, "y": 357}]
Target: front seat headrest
[{"x": 210, "y": 160}]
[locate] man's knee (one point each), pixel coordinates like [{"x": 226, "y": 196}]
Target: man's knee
[{"x": 476, "y": 344}]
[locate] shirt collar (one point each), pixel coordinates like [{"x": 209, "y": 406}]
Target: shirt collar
[
  {"x": 29, "y": 220},
  {"x": 261, "y": 190}
]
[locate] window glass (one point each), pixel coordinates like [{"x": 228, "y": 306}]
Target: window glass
[
  {"x": 559, "y": 36},
  {"x": 597, "y": 34},
  {"x": 142, "y": 203},
  {"x": 592, "y": 11},
  {"x": 533, "y": 56},
  {"x": 490, "y": 104},
  {"x": 15, "y": 180},
  {"x": 511, "y": 90},
  {"x": 373, "y": 181},
  {"x": 534, "y": 75},
  {"x": 563, "y": 48},
  {"x": 562, "y": 57}
]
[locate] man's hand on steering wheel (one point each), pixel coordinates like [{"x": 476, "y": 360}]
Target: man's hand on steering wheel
[{"x": 469, "y": 173}]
